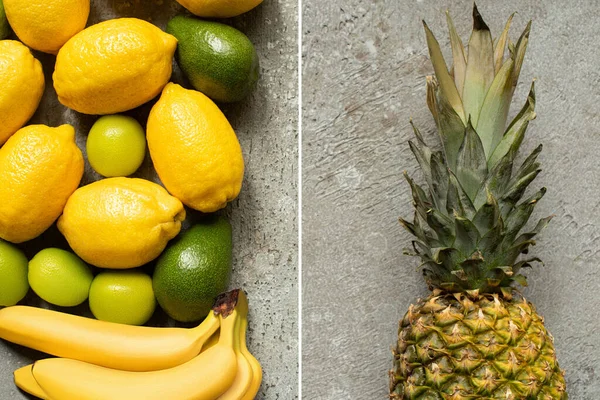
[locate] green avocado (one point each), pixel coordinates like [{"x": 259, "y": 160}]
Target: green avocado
[
  {"x": 196, "y": 268},
  {"x": 4, "y": 27},
  {"x": 219, "y": 60}
]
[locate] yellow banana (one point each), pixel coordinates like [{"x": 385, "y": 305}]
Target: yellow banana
[
  {"x": 243, "y": 378},
  {"x": 124, "y": 347},
  {"x": 25, "y": 381},
  {"x": 255, "y": 365},
  {"x": 206, "y": 377}
]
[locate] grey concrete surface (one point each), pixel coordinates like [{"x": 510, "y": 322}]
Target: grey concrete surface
[
  {"x": 364, "y": 68},
  {"x": 264, "y": 217}
]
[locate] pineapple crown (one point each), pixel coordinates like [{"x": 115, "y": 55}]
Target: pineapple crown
[{"x": 468, "y": 220}]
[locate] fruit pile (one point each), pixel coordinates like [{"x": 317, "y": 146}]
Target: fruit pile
[{"x": 126, "y": 248}]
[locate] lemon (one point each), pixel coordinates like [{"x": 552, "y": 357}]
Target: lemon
[
  {"x": 13, "y": 274},
  {"x": 22, "y": 83},
  {"x": 40, "y": 167},
  {"x": 113, "y": 66},
  {"x": 219, "y": 8},
  {"x": 46, "y": 25},
  {"x": 116, "y": 145},
  {"x": 124, "y": 297},
  {"x": 120, "y": 222},
  {"x": 194, "y": 149},
  {"x": 60, "y": 277}
]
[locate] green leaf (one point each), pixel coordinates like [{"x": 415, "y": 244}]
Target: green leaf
[
  {"x": 529, "y": 165},
  {"x": 542, "y": 223},
  {"x": 450, "y": 126},
  {"x": 423, "y": 155},
  {"x": 471, "y": 169},
  {"x": 421, "y": 202},
  {"x": 516, "y": 190},
  {"x": 459, "y": 59},
  {"x": 516, "y": 130},
  {"x": 441, "y": 72},
  {"x": 519, "y": 216},
  {"x": 494, "y": 112},
  {"x": 518, "y": 53},
  {"x": 520, "y": 279},
  {"x": 480, "y": 68},
  {"x": 497, "y": 180},
  {"x": 439, "y": 179},
  {"x": 487, "y": 216},
  {"x": 466, "y": 236},
  {"x": 501, "y": 45},
  {"x": 492, "y": 239},
  {"x": 442, "y": 226},
  {"x": 457, "y": 194}
]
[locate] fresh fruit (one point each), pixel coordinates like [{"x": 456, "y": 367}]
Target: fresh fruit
[
  {"x": 22, "y": 82},
  {"x": 46, "y": 25},
  {"x": 473, "y": 337},
  {"x": 212, "y": 373},
  {"x": 4, "y": 26},
  {"x": 120, "y": 222},
  {"x": 40, "y": 167},
  {"x": 116, "y": 145},
  {"x": 25, "y": 381},
  {"x": 256, "y": 368},
  {"x": 113, "y": 66},
  {"x": 123, "y": 297},
  {"x": 13, "y": 274},
  {"x": 60, "y": 277},
  {"x": 219, "y": 60},
  {"x": 219, "y": 8},
  {"x": 194, "y": 270},
  {"x": 194, "y": 149},
  {"x": 123, "y": 347}
]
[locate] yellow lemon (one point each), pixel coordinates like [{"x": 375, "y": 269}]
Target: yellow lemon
[
  {"x": 22, "y": 83},
  {"x": 219, "y": 8},
  {"x": 120, "y": 222},
  {"x": 46, "y": 25},
  {"x": 194, "y": 149},
  {"x": 40, "y": 167},
  {"x": 113, "y": 66}
]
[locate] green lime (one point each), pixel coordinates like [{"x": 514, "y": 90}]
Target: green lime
[
  {"x": 194, "y": 270},
  {"x": 219, "y": 60},
  {"x": 4, "y": 26},
  {"x": 13, "y": 274},
  {"x": 116, "y": 145},
  {"x": 60, "y": 277},
  {"x": 124, "y": 297}
]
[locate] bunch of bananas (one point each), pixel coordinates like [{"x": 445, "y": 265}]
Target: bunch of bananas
[{"x": 102, "y": 360}]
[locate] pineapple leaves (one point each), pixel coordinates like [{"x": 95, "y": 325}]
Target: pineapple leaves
[
  {"x": 480, "y": 68},
  {"x": 471, "y": 169},
  {"x": 516, "y": 130},
  {"x": 450, "y": 125},
  {"x": 501, "y": 45},
  {"x": 470, "y": 219},
  {"x": 459, "y": 59},
  {"x": 494, "y": 112},
  {"x": 441, "y": 72}
]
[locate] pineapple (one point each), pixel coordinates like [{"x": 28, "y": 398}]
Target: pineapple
[{"x": 475, "y": 337}]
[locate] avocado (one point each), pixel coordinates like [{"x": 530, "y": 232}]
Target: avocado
[
  {"x": 218, "y": 60},
  {"x": 193, "y": 270}
]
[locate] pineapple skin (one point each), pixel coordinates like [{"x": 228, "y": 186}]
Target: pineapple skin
[{"x": 456, "y": 347}]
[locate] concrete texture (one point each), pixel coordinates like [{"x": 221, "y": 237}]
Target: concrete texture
[
  {"x": 364, "y": 68},
  {"x": 264, "y": 217}
]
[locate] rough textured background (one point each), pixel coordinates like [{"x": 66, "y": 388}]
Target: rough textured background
[
  {"x": 364, "y": 72},
  {"x": 264, "y": 217}
]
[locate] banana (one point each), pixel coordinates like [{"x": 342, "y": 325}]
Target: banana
[
  {"x": 243, "y": 378},
  {"x": 124, "y": 347},
  {"x": 206, "y": 377},
  {"x": 25, "y": 381},
  {"x": 256, "y": 368}
]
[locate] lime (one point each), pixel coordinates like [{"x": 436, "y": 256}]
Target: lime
[
  {"x": 60, "y": 277},
  {"x": 116, "y": 145},
  {"x": 4, "y": 27},
  {"x": 124, "y": 297},
  {"x": 13, "y": 274}
]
